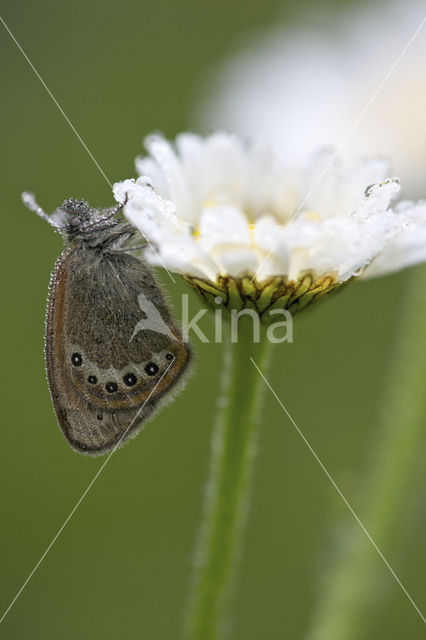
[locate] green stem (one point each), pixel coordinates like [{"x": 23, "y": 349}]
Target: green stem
[
  {"x": 228, "y": 488},
  {"x": 351, "y": 587}
]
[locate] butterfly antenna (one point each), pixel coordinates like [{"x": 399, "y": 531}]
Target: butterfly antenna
[
  {"x": 118, "y": 207},
  {"x": 29, "y": 201},
  {"x": 111, "y": 213}
]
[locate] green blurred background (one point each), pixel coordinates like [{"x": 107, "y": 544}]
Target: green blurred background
[{"x": 120, "y": 568}]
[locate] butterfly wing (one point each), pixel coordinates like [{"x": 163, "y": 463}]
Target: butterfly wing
[{"x": 113, "y": 351}]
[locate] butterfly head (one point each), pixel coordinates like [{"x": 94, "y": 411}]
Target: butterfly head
[
  {"x": 76, "y": 214},
  {"x": 75, "y": 220}
]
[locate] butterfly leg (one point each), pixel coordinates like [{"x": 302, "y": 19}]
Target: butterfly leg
[{"x": 135, "y": 247}]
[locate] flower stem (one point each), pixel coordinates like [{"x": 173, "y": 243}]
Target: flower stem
[
  {"x": 351, "y": 587},
  {"x": 228, "y": 487}
]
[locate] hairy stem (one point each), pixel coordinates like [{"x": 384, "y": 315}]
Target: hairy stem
[{"x": 227, "y": 493}]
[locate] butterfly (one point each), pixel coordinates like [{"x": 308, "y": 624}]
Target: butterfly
[{"x": 113, "y": 350}]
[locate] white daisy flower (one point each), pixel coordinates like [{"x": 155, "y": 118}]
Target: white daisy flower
[
  {"x": 305, "y": 86},
  {"x": 236, "y": 223}
]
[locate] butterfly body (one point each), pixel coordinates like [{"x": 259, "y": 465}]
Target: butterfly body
[{"x": 113, "y": 351}]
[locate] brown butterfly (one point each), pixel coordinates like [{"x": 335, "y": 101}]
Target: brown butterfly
[{"x": 113, "y": 351}]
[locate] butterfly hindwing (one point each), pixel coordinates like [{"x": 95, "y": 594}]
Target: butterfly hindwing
[{"x": 112, "y": 348}]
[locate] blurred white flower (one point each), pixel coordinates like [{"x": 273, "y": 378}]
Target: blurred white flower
[
  {"x": 225, "y": 214},
  {"x": 305, "y": 86}
]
